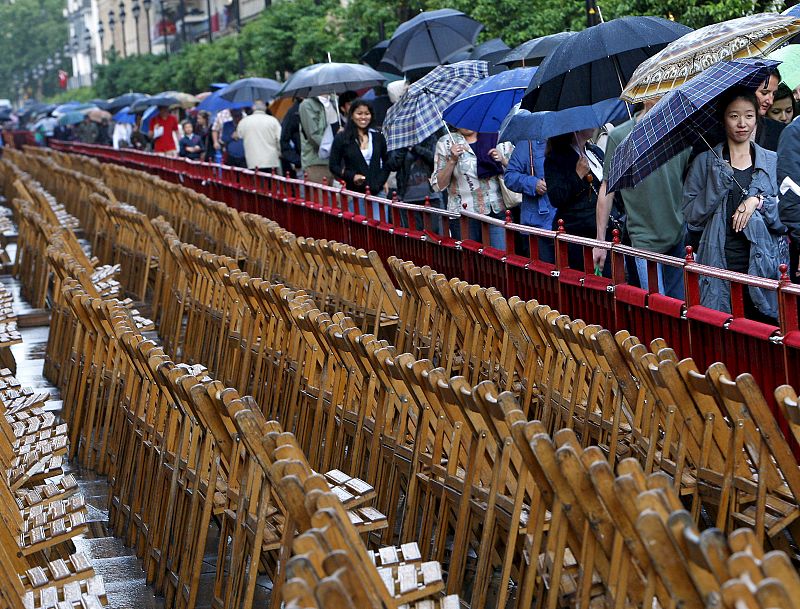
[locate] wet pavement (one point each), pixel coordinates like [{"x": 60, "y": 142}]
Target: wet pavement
[{"x": 121, "y": 570}]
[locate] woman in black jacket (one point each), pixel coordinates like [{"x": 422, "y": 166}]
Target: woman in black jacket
[
  {"x": 573, "y": 169},
  {"x": 358, "y": 154}
]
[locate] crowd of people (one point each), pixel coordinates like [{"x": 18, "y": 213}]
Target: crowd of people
[{"x": 722, "y": 198}]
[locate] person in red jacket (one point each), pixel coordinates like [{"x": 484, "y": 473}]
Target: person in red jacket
[{"x": 163, "y": 130}]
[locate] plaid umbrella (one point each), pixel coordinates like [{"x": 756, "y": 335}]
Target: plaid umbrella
[
  {"x": 418, "y": 114},
  {"x": 755, "y": 35},
  {"x": 680, "y": 119}
]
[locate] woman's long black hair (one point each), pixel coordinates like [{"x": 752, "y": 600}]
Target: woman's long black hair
[{"x": 350, "y": 130}]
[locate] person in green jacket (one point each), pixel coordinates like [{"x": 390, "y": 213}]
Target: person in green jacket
[{"x": 313, "y": 124}]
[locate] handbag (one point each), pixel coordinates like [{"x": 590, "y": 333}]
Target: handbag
[
  {"x": 510, "y": 198},
  {"x": 513, "y": 199},
  {"x": 326, "y": 143}
]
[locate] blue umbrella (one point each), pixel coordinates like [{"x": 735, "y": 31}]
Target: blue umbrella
[
  {"x": 681, "y": 119},
  {"x": 71, "y": 107},
  {"x": 430, "y": 39},
  {"x": 216, "y": 86},
  {"x": 215, "y": 102},
  {"x": 525, "y": 125},
  {"x": 125, "y": 116},
  {"x": 71, "y": 118},
  {"x": 793, "y": 11},
  {"x": 483, "y": 106},
  {"x": 418, "y": 113},
  {"x": 147, "y": 116},
  {"x": 595, "y": 64}
]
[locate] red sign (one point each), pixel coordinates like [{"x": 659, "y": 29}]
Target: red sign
[{"x": 62, "y": 79}]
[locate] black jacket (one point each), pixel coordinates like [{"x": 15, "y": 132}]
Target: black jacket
[
  {"x": 768, "y": 132},
  {"x": 574, "y": 199},
  {"x": 789, "y": 166},
  {"x": 290, "y": 136},
  {"x": 346, "y": 161},
  {"x": 414, "y": 166}
]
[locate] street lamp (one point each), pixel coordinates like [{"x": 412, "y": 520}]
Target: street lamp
[
  {"x": 164, "y": 30},
  {"x": 208, "y": 14},
  {"x": 101, "y": 34},
  {"x": 147, "y": 4},
  {"x": 136, "y": 9},
  {"x": 112, "y": 25},
  {"x": 182, "y": 7},
  {"x": 87, "y": 38},
  {"x": 122, "y": 26}
]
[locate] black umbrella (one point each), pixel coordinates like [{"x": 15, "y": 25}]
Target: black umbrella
[
  {"x": 143, "y": 104},
  {"x": 373, "y": 57},
  {"x": 248, "y": 90},
  {"x": 533, "y": 52},
  {"x": 594, "y": 65},
  {"x": 431, "y": 39},
  {"x": 492, "y": 50},
  {"x": 118, "y": 103}
]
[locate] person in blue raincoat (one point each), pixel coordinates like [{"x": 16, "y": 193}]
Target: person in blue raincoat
[
  {"x": 525, "y": 174},
  {"x": 730, "y": 195}
]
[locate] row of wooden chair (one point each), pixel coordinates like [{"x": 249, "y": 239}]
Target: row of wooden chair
[
  {"x": 435, "y": 445},
  {"x": 601, "y": 420},
  {"x": 349, "y": 279},
  {"x": 74, "y": 187},
  {"x": 162, "y": 430}
]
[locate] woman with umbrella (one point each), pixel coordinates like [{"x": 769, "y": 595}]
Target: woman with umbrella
[
  {"x": 730, "y": 195},
  {"x": 469, "y": 166},
  {"x": 164, "y": 132},
  {"x": 358, "y": 153},
  {"x": 573, "y": 171}
]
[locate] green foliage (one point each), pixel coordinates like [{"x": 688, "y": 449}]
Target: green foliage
[
  {"x": 296, "y": 33},
  {"x": 83, "y": 94},
  {"x": 30, "y": 32}
]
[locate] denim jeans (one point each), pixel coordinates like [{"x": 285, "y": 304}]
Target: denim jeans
[
  {"x": 377, "y": 211},
  {"x": 497, "y": 234},
  {"x": 670, "y": 278}
]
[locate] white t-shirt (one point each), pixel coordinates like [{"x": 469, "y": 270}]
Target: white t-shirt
[{"x": 367, "y": 152}]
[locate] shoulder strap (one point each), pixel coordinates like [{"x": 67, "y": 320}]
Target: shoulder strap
[{"x": 530, "y": 150}]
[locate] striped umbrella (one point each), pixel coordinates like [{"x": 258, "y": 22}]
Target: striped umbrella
[
  {"x": 680, "y": 120},
  {"x": 678, "y": 62},
  {"x": 418, "y": 113}
]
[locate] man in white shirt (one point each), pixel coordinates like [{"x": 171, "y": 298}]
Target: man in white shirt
[{"x": 261, "y": 134}]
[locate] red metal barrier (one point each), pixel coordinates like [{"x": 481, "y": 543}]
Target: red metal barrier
[{"x": 771, "y": 354}]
